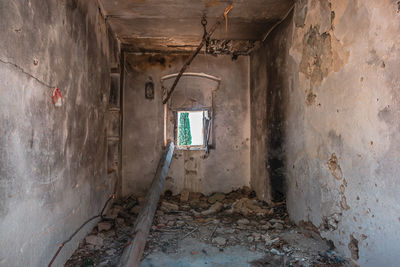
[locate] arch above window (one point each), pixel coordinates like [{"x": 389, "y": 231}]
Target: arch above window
[{"x": 194, "y": 89}]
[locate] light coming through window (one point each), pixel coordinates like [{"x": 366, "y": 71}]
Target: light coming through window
[{"x": 190, "y": 130}]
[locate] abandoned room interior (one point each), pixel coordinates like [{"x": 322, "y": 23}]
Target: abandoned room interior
[{"x": 199, "y": 133}]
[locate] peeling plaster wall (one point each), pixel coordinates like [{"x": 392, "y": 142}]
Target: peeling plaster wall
[
  {"x": 226, "y": 167},
  {"x": 337, "y": 63},
  {"x": 52, "y": 160}
]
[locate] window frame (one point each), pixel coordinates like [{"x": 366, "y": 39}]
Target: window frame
[{"x": 204, "y": 146}]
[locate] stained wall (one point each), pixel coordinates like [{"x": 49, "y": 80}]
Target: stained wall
[
  {"x": 52, "y": 160},
  {"x": 332, "y": 67}
]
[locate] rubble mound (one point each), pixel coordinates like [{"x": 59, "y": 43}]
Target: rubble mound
[{"x": 219, "y": 220}]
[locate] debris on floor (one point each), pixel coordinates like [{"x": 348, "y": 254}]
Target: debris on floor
[{"x": 191, "y": 229}]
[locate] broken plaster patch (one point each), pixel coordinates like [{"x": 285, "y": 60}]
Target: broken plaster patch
[
  {"x": 330, "y": 223},
  {"x": 310, "y": 100},
  {"x": 321, "y": 54},
  {"x": 334, "y": 166},
  {"x": 353, "y": 247},
  {"x": 343, "y": 203}
]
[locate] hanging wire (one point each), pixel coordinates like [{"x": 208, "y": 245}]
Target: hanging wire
[{"x": 206, "y": 37}]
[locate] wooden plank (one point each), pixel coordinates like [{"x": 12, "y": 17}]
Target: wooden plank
[{"x": 133, "y": 252}]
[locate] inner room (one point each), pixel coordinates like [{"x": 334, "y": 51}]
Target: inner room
[{"x": 199, "y": 133}]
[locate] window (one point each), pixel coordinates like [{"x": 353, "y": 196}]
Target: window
[{"x": 190, "y": 129}]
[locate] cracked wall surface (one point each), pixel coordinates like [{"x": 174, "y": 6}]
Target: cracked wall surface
[
  {"x": 52, "y": 160},
  {"x": 333, "y": 67}
]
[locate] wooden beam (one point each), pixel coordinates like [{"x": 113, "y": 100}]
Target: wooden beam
[{"x": 133, "y": 252}]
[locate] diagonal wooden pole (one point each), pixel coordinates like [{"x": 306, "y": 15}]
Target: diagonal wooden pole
[{"x": 133, "y": 252}]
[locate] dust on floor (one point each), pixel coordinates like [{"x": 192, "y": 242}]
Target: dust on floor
[{"x": 191, "y": 229}]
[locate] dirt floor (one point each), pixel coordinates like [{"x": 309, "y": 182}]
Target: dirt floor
[{"x": 191, "y": 229}]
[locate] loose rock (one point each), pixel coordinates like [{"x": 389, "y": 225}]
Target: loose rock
[
  {"x": 219, "y": 241},
  {"x": 243, "y": 221},
  {"x": 94, "y": 240},
  {"x": 278, "y": 226},
  {"x": 247, "y": 206},
  {"x": 213, "y": 209},
  {"x": 168, "y": 207},
  {"x": 104, "y": 226},
  {"x": 184, "y": 196},
  {"x": 135, "y": 209},
  {"x": 216, "y": 197}
]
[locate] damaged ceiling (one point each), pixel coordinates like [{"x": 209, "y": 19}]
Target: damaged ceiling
[{"x": 160, "y": 25}]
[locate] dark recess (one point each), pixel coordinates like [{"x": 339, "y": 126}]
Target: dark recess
[
  {"x": 114, "y": 92},
  {"x": 276, "y": 107}
]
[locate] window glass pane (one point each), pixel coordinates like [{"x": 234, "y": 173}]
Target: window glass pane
[
  {"x": 190, "y": 128},
  {"x": 196, "y": 126}
]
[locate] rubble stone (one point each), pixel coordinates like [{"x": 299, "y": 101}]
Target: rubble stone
[
  {"x": 246, "y": 190},
  {"x": 247, "y": 206},
  {"x": 94, "y": 240},
  {"x": 276, "y": 221},
  {"x": 113, "y": 213},
  {"x": 135, "y": 209},
  {"x": 213, "y": 209},
  {"x": 184, "y": 196},
  {"x": 194, "y": 196},
  {"x": 216, "y": 197},
  {"x": 174, "y": 221},
  {"x": 187, "y": 218},
  {"x": 120, "y": 221},
  {"x": 256, "y": 236},
  {"x": 185, "y": 207},
  {"x": 168, "y": 207},
  {"x": 266, "y": 226},
  {"x": 219, "y": 241},
  {"x": 278, "y": 226},
  {"x": 243, "y": 221},
  {"x": 229, "y": 231},
  {"x": 104, "y": 226},
  {"x": 111, "y": 252},
  {"x": 180, "y": 223}
]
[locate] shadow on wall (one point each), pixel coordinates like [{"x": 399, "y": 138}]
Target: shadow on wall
[{"x": 275, "y": 124}]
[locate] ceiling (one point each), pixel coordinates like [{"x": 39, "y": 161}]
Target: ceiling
[{"x": 175, "y": 24}]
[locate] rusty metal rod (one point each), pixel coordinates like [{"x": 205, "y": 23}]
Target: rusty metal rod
[{"x": 198, "y": 49}]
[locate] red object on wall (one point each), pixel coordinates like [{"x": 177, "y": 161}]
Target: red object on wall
[{"x": 57, "y": 98}]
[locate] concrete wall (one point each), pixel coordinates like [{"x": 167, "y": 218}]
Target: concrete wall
[
  {"x": 52, "y": 160},
  {"x": 335, "y": 66},
  {"x": 227, "y": 166}
]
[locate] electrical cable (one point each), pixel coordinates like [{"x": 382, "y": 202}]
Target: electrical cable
[{"x": 77, "y": 230}]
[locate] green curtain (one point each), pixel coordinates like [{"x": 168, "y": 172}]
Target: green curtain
[{"x": 185, "y": 136}]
